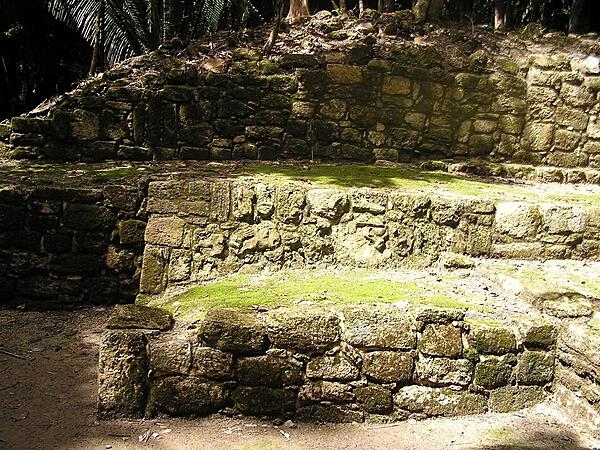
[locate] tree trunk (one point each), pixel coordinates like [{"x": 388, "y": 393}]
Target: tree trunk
[
  {"x": 380, "y": 5},
  {"x": 580, "y": 20},
  {"x": 298, "y": 8},
  {"x": 361, "y": 7},
  {"x": 343, "y": 7},
  {"x": 98, "y": 52},
  {"x": 420, "y": 10},
  {"x": 278, "y": 6},
  {"x": 508, "y": 15},
  {"x": 499, "y": 12},
  {"x": 435, "y": 10}
]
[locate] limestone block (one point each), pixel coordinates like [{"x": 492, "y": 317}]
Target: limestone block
[
  {"x": 325, "y": 391},
  {"x": 563, "y": 219},
  {"x": 541, "y": 102},
  {"x": 243, "y": 198},
  {"x": 443, "y": 371},
  {"x": 345, "y": 74},
  {"x": 415, "y": 120},
  {"x": 122, "y": 374},
  {"x": 268, "y": 371},
  {"x": 589, "y": 65},
  {"x": 484, "y": 126},
  {"x": 180, "y": 263},
  {"x": 333, "y": 109},
  {"x": 85, "y": 125},
  {"x": 492, "y": 373},
  {"x": 166, "y": 231},
  {"x": 138, "y": 316},
  {"x": 516, "y": 219},
  {"x": 153, "y": 278},
  {"x": 439, "y": 401},
  {"x": 170, "y": 356},
  {"x": 220, "y": 200},
  {"x": 576, "y": 96},
  {"x": 265, "y": 200},
  {"x": 481, "y": 144},
  {"x": 511, "y": 124},
  {"x": 582, "y": 341},
  {"x": 513, "y": 398},
  {"x": 290, "y": 204},
  {"x": 232, "y": 330},
  {"x": 535, "y": 368},
  {"x": 538, "y": 335},
  {"x": 388, "y": 367},
  {"x": 88, "y": 217},
  {"x": 567, "y": 140},
  {"x": 309, "y": 331},
  {"x": 441, "y": 340},
  {"x": 379, "y": 326},
  {"x": 327, "y": 203},
  {"x": 261, "y": 400},
  {"x": 396, "y": 85},
  {"x": 374, "y": 399},
  {"x": 593, "y": 129},
  {"x": 492, "y": 339},
  {"x": 572, "y": 118},
  {"x": 321, "y": 413},
  {"x": 211, "y": 363},
  {"x": 335, "y": 368},
  {"x": 180, "y": 396}
]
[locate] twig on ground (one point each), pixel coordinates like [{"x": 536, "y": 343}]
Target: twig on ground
[{"x": 14, "y": 355}]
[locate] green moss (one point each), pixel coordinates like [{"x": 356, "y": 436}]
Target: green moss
[{"x": 296, "y": 287}]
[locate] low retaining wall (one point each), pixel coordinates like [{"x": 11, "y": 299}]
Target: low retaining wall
[
  {"x": 198, "y": 229},
  {"x": 65, "y": 246},
  {"x": 346, "y": 364}
]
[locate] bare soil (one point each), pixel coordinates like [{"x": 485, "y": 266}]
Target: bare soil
[{"x": 47, "y": 401}]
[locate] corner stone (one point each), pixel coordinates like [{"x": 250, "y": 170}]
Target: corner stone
[{"x": 137, "y": 316}]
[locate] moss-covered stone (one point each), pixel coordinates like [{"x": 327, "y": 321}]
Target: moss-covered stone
[
  {"x": 322, "y": 413},
  {"x": 539, "y": 335},
  {"x": 513, "y": 398},
  {"x": 170, "y": 356},
  {"x": 137, "y": 316},
  {"x": 261, "y": 400},
  {"x": 131, "y": 232},
  {"x": 388, "y": 367},
  {"x": 443, "y": 371},
  {"x": 268, "y": 371},
  {"x": 338, "y": 367},
  {"x": 325, "y": 391},
  {"x": 441, "y": 340},
  {"x": 122, "y": 374},
  {"x": 182, "y": 396},
  {"x": 439, "y": 401},
  {"x": 212, "y": 363},
  {"x": 492, "y": 373},
  {"x": 496, "y": 340},
  {"x": 232, "y": 330},
  {"x": 374, "y": 399},
  {"x": 535, "y": 368}
]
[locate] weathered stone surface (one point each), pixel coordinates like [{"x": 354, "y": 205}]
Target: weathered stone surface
[
  {"x": 344, "y": 74},
  {"x": 388, "y": 367},
  {"x": 180, "y": 396},
  {"x": 122, "y": 374},
  {"x": 131, "y": 232},
  {"x": 535, "y": 368},
  {"x": 517, "y": 220},
  {"x": 325, "y": 391},
  {"x": 539, "y": 335},
  {"x": 137, "y": 316},
  {"x": 211, "y": 363},
  {"x": 439, "y": 401},
  {"x": 310, "y": 331},
  {"x": 443, "y": 371},
  {"x": 379, "y": 326},
  {"x": 441, "y": 340},
  {"x": 496, "y": 340},
  {"x": 232, "y": 330},
  {"x": 268, "y": 371},
  {"x": 492, "y": 373},
  {"x": 88, "y": 217},
  {"x": 153, "y": 279},
  {"x": 374, "y": 399},
  {"x": 260, "y": 400},
  {"x": 513, "y": 398},
  {"x": 170, "y": 356},
  {"x": 338, "y": 367},
  {"x": 329, "y": 414},
  {"x": 165, "y": 231},
  {"x": 327, "y": 203}
]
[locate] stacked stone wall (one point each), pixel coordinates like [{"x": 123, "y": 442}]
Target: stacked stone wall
[
  {"x": 354, "y": 106},
  {"x": 345, "y": 364},
  {"x": 67, "y": 246},
  {"x": 200, "y": 228}
]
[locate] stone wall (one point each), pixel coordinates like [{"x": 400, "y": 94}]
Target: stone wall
[
  {"x": 353, "y": 105},
  {"x": 201, "y": 228},
  {"x": 66, "y": 246},
  {"x": 354, "y": 363}
]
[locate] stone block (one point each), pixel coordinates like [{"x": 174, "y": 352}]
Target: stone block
[
  {"x": 321, "y": 413},
  {"x": 308, "y": 331},
  {"x": 492, "y": 373},
  {"x": 535, "y": 368},
  {"x": 380, "y": 326},
  {"x": 441, "y": 340},
  {"x": 572, "y": 118},
  {"x": 558, "y": 219},
  {"x": 268, "y": 371},
  {"x": 153, "y": 280},
  {"x": 131, "y": 232},
  {"x": 345, "y": 74},
  {"x": 518, "y": 220},
  {"x": 140, "y": 317},
  {"x": 122, "y": 374},
  {"x": 334, "y": 368},
  {"x": 211, "y": 363},
  {"x": 182, "y": 396},
  {"x": 567, "y": 140},
  {"x": 166, "y": 231},
  {"x": 388, "y": 367},
  {"x": 439, "y": 401},
  {"x": 318, "y": 391},
  {"x": 170, "y": 356},
  {"x": 374, "y": 399},
  {"x": 513, "y": 398},
  {"x": 538, "y": 136},
  {"x": 261, "y": 400},
  {"x": 492, "y": 339},
  {"x": 88, "y": 217},
  {"x": 443, "y": 371},
  {"x": 232, "y": 330},
  {"x": 396, "y": 85}
]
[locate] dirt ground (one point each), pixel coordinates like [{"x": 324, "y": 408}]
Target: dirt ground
[{"x": 48, "y": 394}]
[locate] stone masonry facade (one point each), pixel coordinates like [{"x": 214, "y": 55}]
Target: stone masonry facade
[
  {"x": 345, "y": 364},
  {"x": 343, "y": 106}
]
